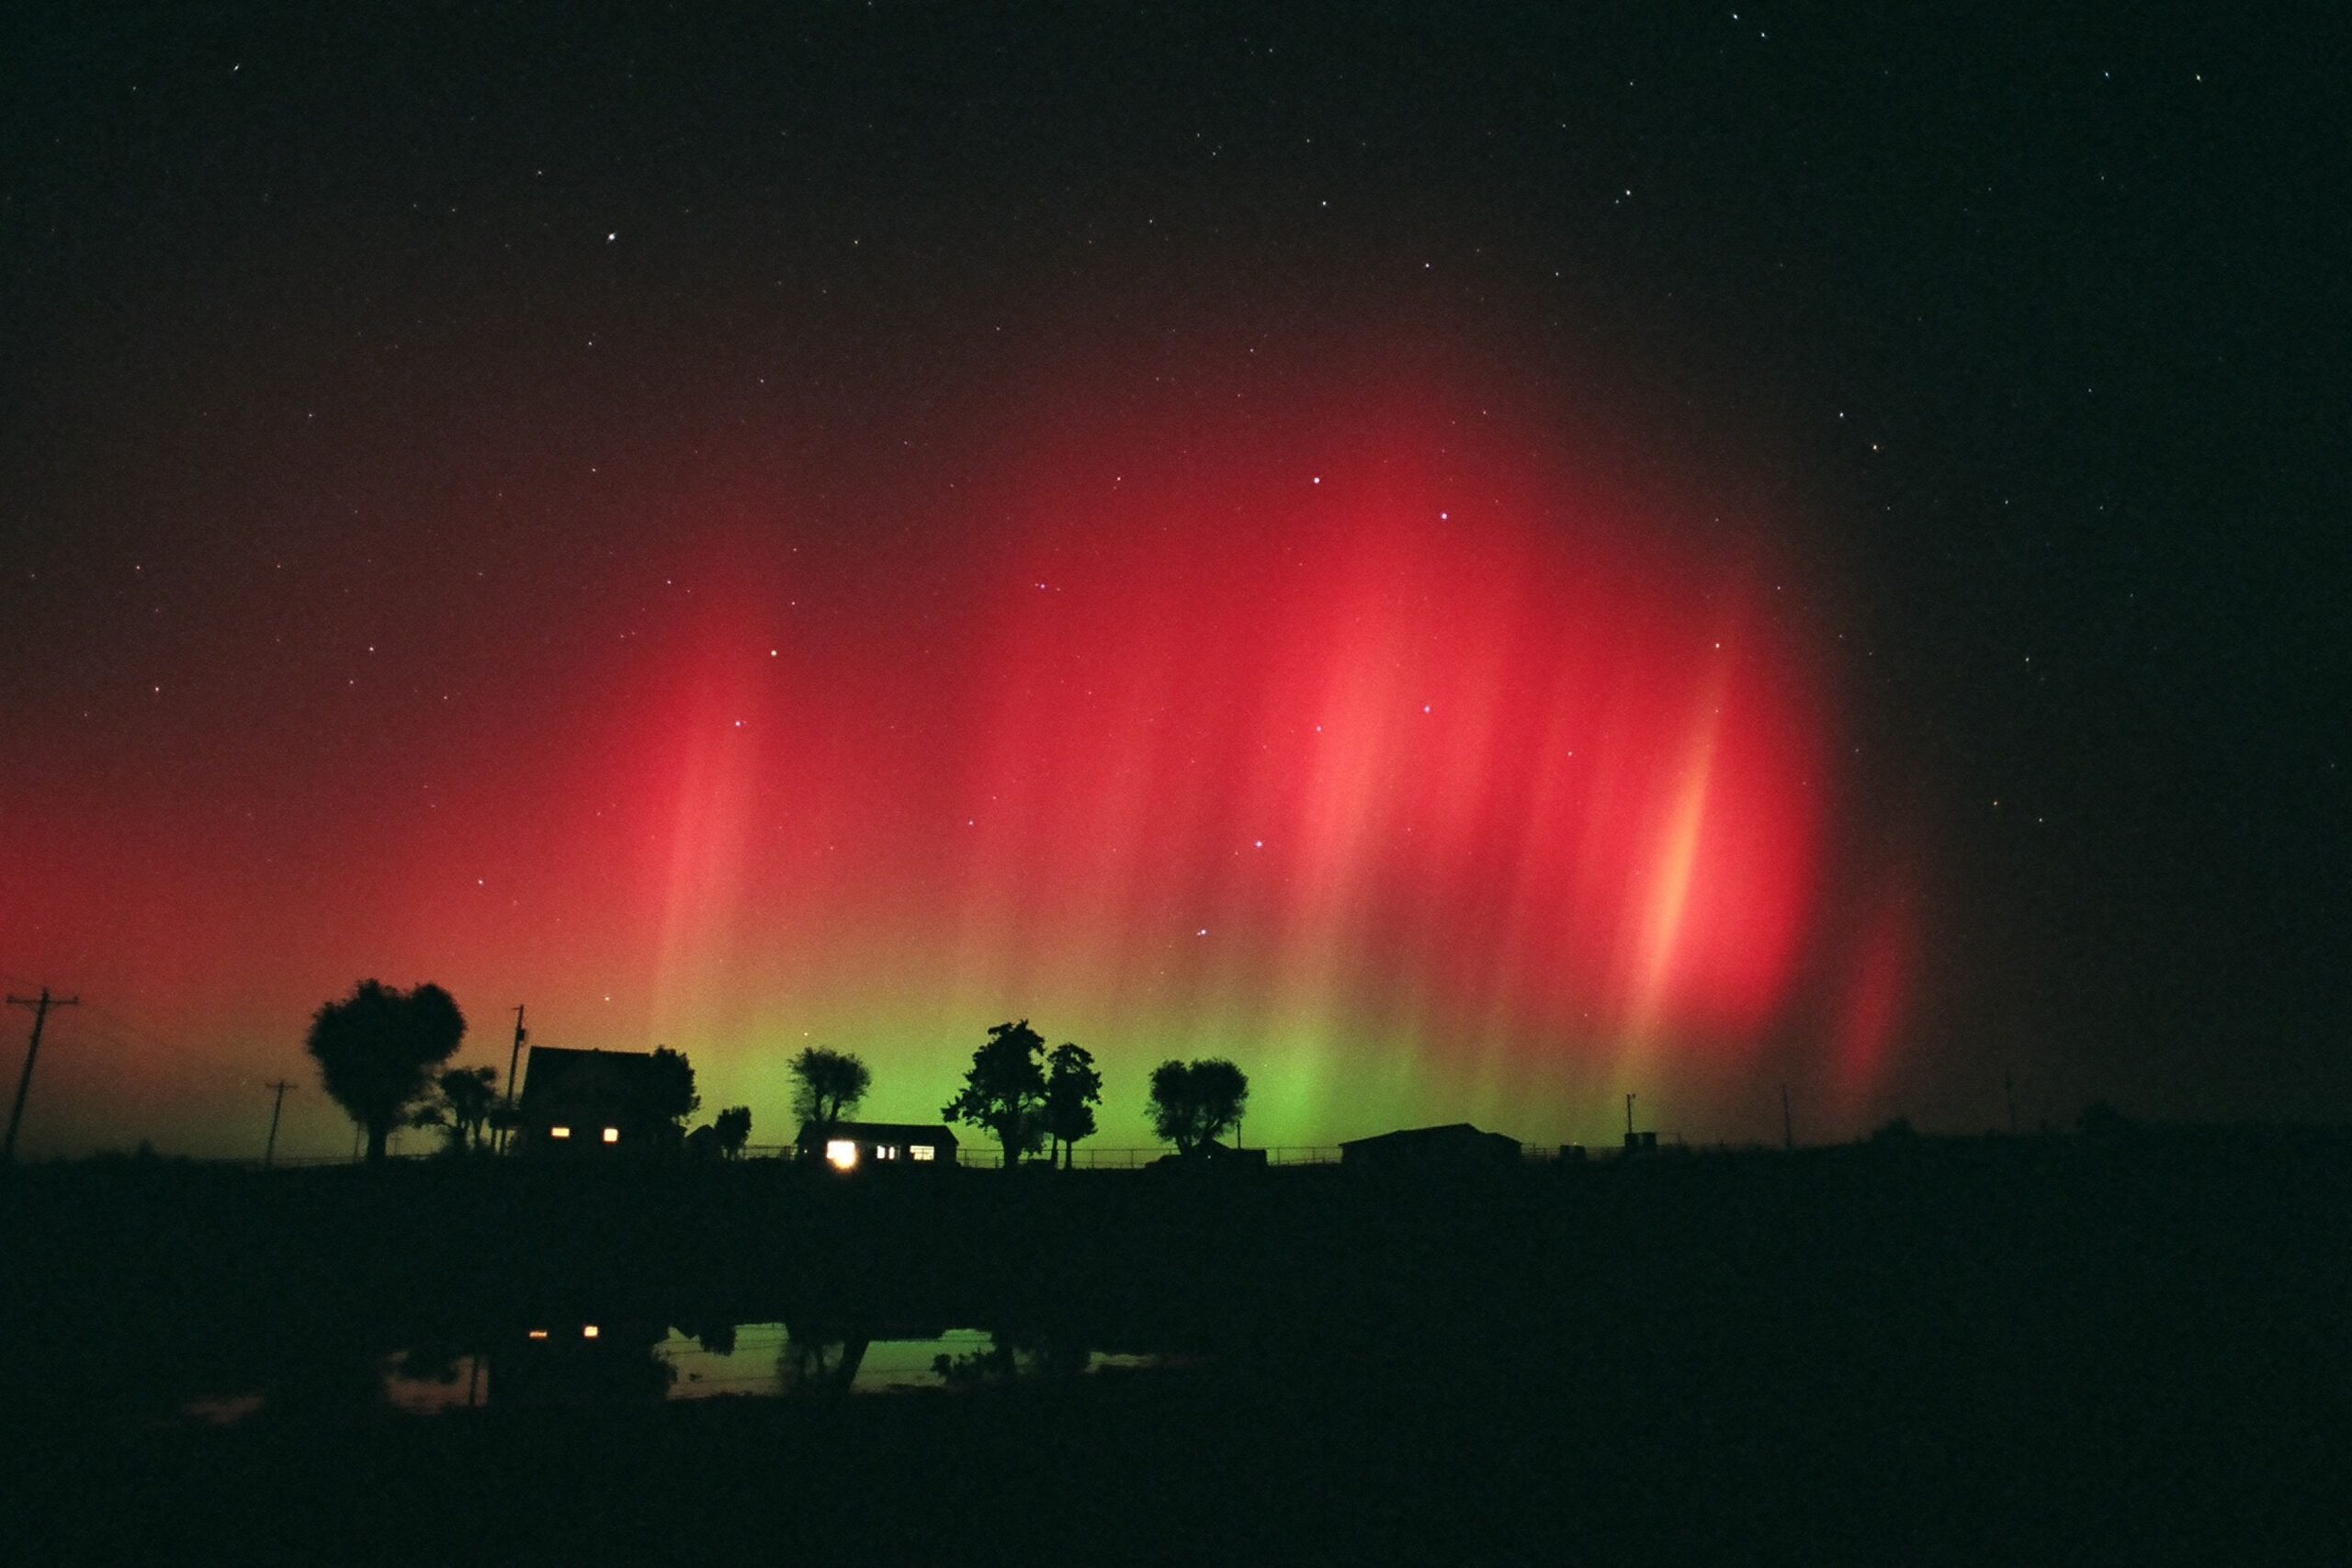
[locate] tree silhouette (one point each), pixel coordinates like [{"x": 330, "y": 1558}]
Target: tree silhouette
[
  {"x": 733, "y": 1127},
  {"x": 827, "y": 1084},
  {"x": 1073, "y": 1089},
  {"x": 470, "y": 1095},
  {"x": 1191, "y": 1103},
  {"x": 1004, "y": 1092},
  {"x": 670, "y": 1093},
  {"x": 431, "y": 1116},
  {"x": 375, "y": 1047}
]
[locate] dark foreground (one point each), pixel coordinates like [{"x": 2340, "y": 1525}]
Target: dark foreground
[{"x": 2123, "y": 1349}]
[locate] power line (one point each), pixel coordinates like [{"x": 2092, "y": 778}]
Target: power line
[{"x": 40, "y": 1006}]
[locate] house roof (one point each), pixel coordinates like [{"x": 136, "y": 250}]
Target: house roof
[
  {"x": 556, "y": 1073},
  {"x": 1451, "y": 1132},
  {"x": 879, "y": 1132}
]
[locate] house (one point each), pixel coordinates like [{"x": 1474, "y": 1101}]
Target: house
[
  {"x": 592, "y": 1104},
  {"x": 846, "y": 1145},
  {"x": 1457, "y": 1145}
]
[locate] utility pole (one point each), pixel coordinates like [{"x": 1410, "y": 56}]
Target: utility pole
[
  {"x": 40, "y": 1006},
  {"x": 1629, "y": 1116},
  {"x": 269, "y": 1150},
  {"x": 1787, "y": 1127},
  {"x": 512, "y": 1057}
]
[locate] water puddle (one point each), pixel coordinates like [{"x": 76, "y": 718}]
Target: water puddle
[{"x": 621, "y": 1363}]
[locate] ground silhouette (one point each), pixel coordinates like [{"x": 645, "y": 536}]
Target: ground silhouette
[{"x": 2124, "y": 1345}]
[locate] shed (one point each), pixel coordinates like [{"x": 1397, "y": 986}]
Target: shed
[{"x": 847, "y": 1145}]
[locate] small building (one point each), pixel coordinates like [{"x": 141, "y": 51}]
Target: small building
[
  {"x": 1457, "y": 1145},
  {"x": 846, "y": 1145},
  {"x": 591, "y": 1104},
  {"x": 1212, "y": 1156}
]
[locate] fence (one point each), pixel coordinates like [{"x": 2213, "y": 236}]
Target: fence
[
  {"x": 1084, "y": 1158},
  {"x": 982, "y": 1156}
]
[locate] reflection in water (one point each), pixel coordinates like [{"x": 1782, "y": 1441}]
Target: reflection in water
[
  {"x": 1008, "y": 1356},
  {"x": 435, "y": 1375},
  {"x": 819, "y": 1361},
  {"x": 828, "y": 1360},
  {"x": 640, "y": 1362},
  {"x": 582, "y": 1364}
]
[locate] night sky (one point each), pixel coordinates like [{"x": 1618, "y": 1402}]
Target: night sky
[{"x": 1473, "y": 565}]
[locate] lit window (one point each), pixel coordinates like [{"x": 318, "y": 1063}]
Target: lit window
[
  {"x": 841, "y": 1154},
  {"x": 612, "y": 1134},
  {"x": 588, "y": 1332},
  {"x": 887, "y": 1151},
  {"x": 921, "y": 1151},
  {"x": 558, "y": 1132},
  {"x": 538, "y": 1333}
]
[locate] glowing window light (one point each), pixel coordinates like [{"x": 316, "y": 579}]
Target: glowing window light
[
  {"x": 538, "y": 1333},
  {"x": 558, "y": 1132},
  {"x": 612, "y": 1134},
  {"x": 841, "y": 1154},
  {"x": 887, "y": 1151},
  {"x": 588, "y": 1331},
  {"x": 921, "y": 1151}
]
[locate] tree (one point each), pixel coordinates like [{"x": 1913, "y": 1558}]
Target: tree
[
  {"x": 429, "y": 1116},
  {"x": 733, "y": 1127},
  {"x": 1191, "y": 1103},
  {"x": 470, "y": 1095},
  {"x": 827, "y": 1084},
  {"x": 375, "y": 1047},
  {"x": 1004, "y": 1092},
  {"x": 670, "y": 1093},
  {"x": 1073, "y": 1089}
]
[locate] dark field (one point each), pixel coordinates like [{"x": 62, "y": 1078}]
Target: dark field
[{"x": 2130, "y": 1347}]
